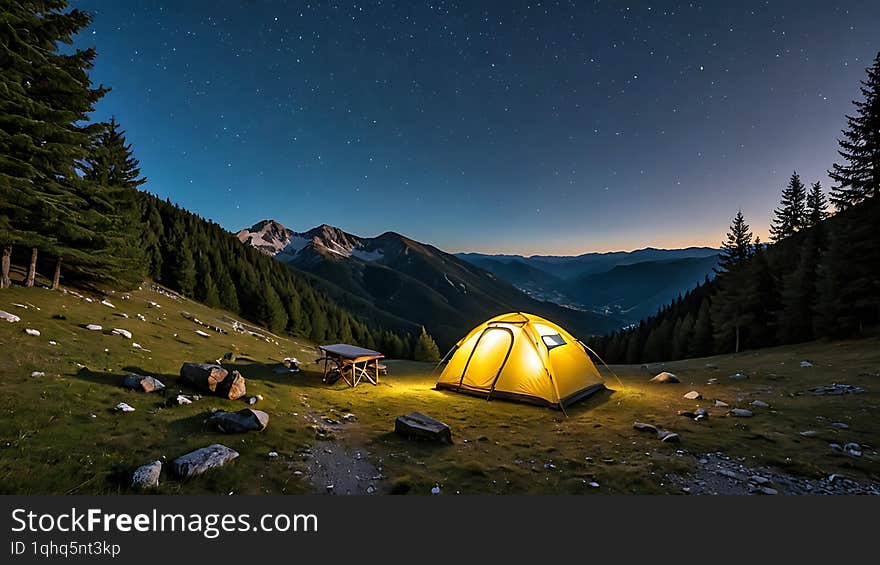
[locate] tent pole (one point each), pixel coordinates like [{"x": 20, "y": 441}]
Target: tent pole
[{"x": 585, "y": 346}]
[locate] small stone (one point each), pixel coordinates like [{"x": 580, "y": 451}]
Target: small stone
[
  {"x": 741, "y": 413},
  {"x": 144, "y": 383},
  {"x": 840, "y": 425},
  {"x": 252, "y": 400},
  {"x": 123, "y": 407},
  {"x": 38, "y": 374},
  {"x": 31, "y": 331},
  {"x": 642, "y": 427},
  {"x": 349, "y": 418},
  {"x": 701, "y": 414},
  {"x": 835, "y": 447},
  {"x": 141, "y": 317},
  {"x": 370, "y": 489},
  {"x": 203, "y": 334},
  {"x": 806, "y": 364},
  {"x": 119, "y": 331},
  {"x": 760, "y": 404},
  {"x": 712, "y": 366},
  {"x": 94, "y": 327},
  {"x": 668, "y": 437},
  {"x": 768, "y": 490},
  {"x": 853, "y": 449},
  {"x": 712, "y": 381},
  {"x": 435, "y": 490},
  {"x": 721, "y": 404},
  {"x": 693, "y": 395},
  {"x": 53, "y": 342},
  {"x": 593, "y": 484},
  {"x": 147, "y": 476},
  {"x": 182, "y": 400},
  {"x": 273, "y": 454},
  {"x": 738, "y": 376},
  {"x": 809, "y": 433},
  {"x": 107, "y": 303},
  {"x": 759, "y": 480},
  {"x": 665, "y": 377},
  {"x": 11, "y": 318},
  {"x": 202, "y": 460}
]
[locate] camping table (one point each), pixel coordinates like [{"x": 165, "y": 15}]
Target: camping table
[{"x": 350, "y": 357}]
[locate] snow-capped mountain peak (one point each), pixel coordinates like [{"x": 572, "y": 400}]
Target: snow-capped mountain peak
[{"x": 274, "y": 239}]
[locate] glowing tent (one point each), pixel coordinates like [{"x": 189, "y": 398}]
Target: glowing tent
[{"x": 523, "y": 357}]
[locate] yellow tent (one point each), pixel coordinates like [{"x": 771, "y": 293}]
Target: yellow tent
[{"x": 524, "y": 357}]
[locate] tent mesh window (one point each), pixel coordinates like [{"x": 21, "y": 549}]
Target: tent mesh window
[{"x": 552, "y": 340}]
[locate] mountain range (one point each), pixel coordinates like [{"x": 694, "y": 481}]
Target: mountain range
[{"x": 412, "y": 283}]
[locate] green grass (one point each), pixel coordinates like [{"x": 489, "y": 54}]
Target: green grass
[{"x": 51, "y": 443}]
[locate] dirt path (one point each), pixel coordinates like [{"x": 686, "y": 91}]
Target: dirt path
[{"x": 337, "y": 467}]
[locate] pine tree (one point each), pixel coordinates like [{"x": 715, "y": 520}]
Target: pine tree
[
  {"x": 799, "y": 296},
  {"x": 817, "y": 205},
  {"x": 45, "y": 99},
  {"x": 702, "y": 343},
  {"x": 426, "y": 348},
  {"x": 858, "y": 178},
  {"x": 729, "y": 312},
  {"x": 790, "y": 217},
  {"x": 228, "y": 293},
  {"x": 761, "y": 299},
  {"x": 272, "y": 315}
]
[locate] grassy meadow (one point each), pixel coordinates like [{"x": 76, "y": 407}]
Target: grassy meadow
[{"x": 60, "y": 433}]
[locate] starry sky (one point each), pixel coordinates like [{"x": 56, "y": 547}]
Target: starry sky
[{"x": 517, "y": 127}]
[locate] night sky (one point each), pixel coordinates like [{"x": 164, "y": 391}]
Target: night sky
[{"x": 525, "y": 127}]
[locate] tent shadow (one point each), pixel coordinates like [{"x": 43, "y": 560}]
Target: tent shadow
[{"x": 589, "y": 403}]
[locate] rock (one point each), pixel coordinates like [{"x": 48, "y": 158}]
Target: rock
[
  {"x": 693, "y": 395},
  {"x": 834, "y": 390},
  {"x": 760, "y": 404},
  {"x": 119, "y": 331},
  {"x": 835, "y": 447},
  {"x": 741, "y": 413},
  {"x": 37, "y": 374},
  {"x": 712, "y": 366},
  {"x": 11, "y": 318},
  {"x": 202, "y": 460},
  {"x": 768, "y": 490},
  {"x": 665, "y": 377},
  {"x": 94, "y": 327},
  {"x": 31, "y": 331},
  {"x": 123, "y": 407},
  {"x": 701, "y": 414},
  {"x": 141, "y": 317},
  {"x": 152, "y": 304},
  {"x": 642, "y": 427},
  {"x": 144, "y": 383},
  {"x": 712, "y": 381},
  {"x": 139, "y": 346},
  {"x": 107, "y": 303},
  {"x": 593, "y": 484},
  {"x": 759, "y": 480},
  {"x": 806, "y": 364},
  {"x": 245, "y": 420},
  {"x": 853, "y": 449},
  {"x": 668, "y": 437},
  {"x": 738, "y": 376},
  {"x": 53, "y": 342},
  {"x": 203, "y": 334},
  {"x": 721, "y": 404},
  {"x": 435, "y": 490},
  {"x": 182, "y": 400},
  {"x": 273, "y": 454},
  {"x": 147, "y": 476},
  {"x": 252, "y": 400},
  {"x": 214, "y": 378},
  {"x": 122, "y": 314},
  {"x": 229, "y": 356},
  {"x": 840, "y": 425},
  {"x": 809, "y": 433},
  {"x": 349, "y": 418},
  {"x": 416, "y": 425},
  {"x": 233, "y": 386}
]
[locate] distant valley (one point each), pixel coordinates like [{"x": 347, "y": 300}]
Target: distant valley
[{"x": 628, "y": 285}]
